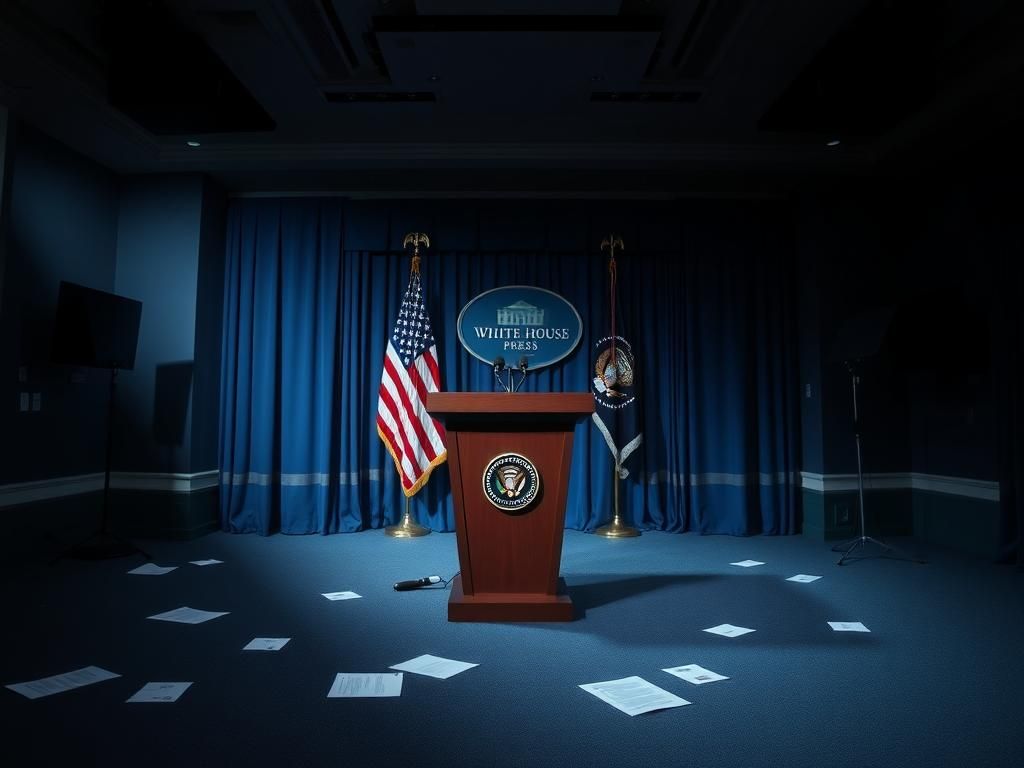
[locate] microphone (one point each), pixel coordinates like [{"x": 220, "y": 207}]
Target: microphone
[
  {"x": 405, "y": 586},
  {"x": 499, "y": 366},
  {"x": 523, "y": 365}
]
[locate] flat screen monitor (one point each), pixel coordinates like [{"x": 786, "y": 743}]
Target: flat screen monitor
[{"x": 95, "y": 329}]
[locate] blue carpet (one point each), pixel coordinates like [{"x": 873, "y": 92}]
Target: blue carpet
[{"x": 937, "y": 682}]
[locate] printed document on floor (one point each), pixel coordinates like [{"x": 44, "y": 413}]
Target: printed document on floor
[
  {"x": 803, "y": 578},
  {"x": 693, "y": 673},
  {"x": 848, "y": 626},
  {"x": 158, "y": 693},
  {"x": 747, "y": 563},
  {"x": 45, "y": 686},
  {"x": 729, "y": 630},
  {"x": 360, "y": 685},
  {"x": 434, "y": 666},
  {"x": 266, "y": 644},
  {"x": 186, "y": 615},
  {"x": 205, "y": 562},
  {"x": 340, "y": 595},
  {"x": 634, "y": 695},
  {"x": 152, "y": 569}
]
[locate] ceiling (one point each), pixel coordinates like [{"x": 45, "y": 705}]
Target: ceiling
[{"x": 509, "y": 97}]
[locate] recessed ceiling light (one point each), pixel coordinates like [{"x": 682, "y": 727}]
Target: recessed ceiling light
[
  {"x": 832, "y": 143},
  {"x": 192, "y": 143}
]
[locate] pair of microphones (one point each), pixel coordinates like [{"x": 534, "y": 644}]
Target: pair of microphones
[{"x": 499, "y": 366}]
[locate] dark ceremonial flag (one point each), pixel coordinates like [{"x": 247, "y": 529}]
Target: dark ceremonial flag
[
  {"x": 415, "y": 440},
  {"x": 616, "y": 412}
]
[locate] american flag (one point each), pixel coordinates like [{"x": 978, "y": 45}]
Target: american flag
[{"x": 415, "y": 440}]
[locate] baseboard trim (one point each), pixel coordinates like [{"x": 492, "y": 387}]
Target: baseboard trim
[
  {"x": 14, "y": 494},
  {"x": 986, "y": 490},
  {"x": 52, "y": 488}
]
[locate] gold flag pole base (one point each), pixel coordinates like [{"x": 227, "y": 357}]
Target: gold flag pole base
[
  {"x": 406, "y": 529},
  {"x": 617, "y": 529}
]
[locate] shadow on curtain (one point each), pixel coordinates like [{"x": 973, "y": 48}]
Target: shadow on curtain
[{"x": 312, "y": 288}]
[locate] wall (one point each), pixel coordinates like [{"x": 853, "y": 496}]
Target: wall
[
  {"x": 209, "y": 319},
  {"x": 61, "y": 225},
  {"x": 170, "y": 256},
  {"x": 158, "y": 264},
  {"x": 156, "y": 239},
  {"x": 922, "y": 250}
]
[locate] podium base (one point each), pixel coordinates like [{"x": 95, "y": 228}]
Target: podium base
[
  {"x": 507, "y": 606},
  {"x": 616, "y": 529}
]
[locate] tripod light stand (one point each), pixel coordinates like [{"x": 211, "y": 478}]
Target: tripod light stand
[
  {"x": 97, "y": 329},
  {"x": 863, "y": 540},
  {"x": 106, "y": 545}
]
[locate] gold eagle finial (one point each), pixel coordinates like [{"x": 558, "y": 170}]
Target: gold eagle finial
[
  {"x": 611, "y": 243},
  {"x": 417, "y": 239}
]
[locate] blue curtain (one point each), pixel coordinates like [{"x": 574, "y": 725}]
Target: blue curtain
[{"x": 708, "y": 300}]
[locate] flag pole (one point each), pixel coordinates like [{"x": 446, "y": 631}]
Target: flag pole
[
  {"x": 407, "y": 529},
  {"x": 616, "y": 529}
]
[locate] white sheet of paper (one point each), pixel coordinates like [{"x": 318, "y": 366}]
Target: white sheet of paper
[
  {"x": 803, "y": 578},
  {"x": 340, "y": 595},
  {"x": 352, "y": 685},
  {"x": 634, "y": 695},
  {"x": 848, "y": 626},
  {"x": 152, "y": 569},
  {"x": 186, "y": 615},
  {"x": 433, "y": 666},
  {"x": 692, "y": 673},
  {"x": 205, "y": 562},
  {"x": 729, "y": 630},
  {"x": 158, "y": 692},
  {"x": 747, "y": 563},
  {"x": 45, "y": 686},
  {"x": 266, "y": 644}
]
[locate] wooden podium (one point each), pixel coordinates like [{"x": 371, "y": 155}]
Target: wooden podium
[{"x": 509, "y": 558}]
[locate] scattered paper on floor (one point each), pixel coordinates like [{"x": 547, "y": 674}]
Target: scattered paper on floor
[
  {"x": 35, "y": 689},
  {"x": 340, "y": 595},
  {"x": 152, "y": 569},
  {"x": 434, "y": 666},
  {"x": 694, "y": 673},
  {"x": 158, "y": 693},
  {"x": 634, "y": 695},
  {"x": 729, "y": 630},
  {"x": 353, "y": 685},
  {"x": 848, "y": 626},
  {"x": 266, "y": 644},
  {"x": 186, "y": 615}
]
